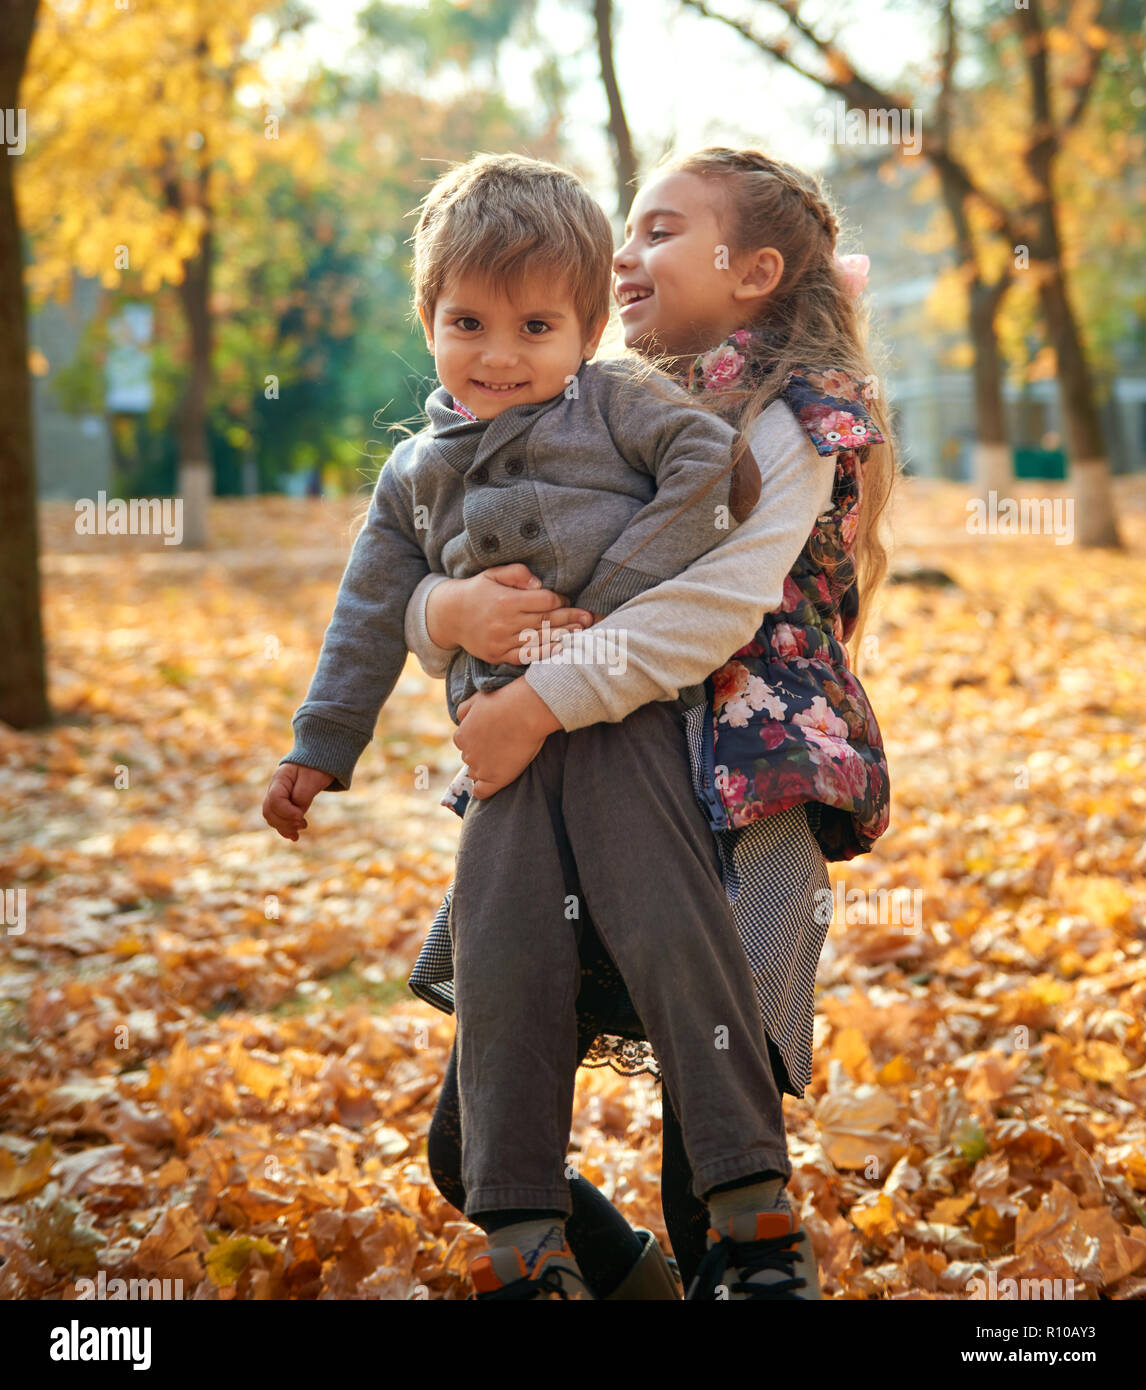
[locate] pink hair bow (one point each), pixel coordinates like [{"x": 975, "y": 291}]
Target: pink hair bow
[{"x": 854, "y": 269}]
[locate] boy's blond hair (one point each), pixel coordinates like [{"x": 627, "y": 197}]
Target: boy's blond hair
[{"x": 502, "y": 217}]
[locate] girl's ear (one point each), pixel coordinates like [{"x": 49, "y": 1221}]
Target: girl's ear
[{"x": 763, "y": 270}]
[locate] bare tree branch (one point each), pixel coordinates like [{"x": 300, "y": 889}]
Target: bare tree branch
[
  {"x": 1083, "y": 91},
  {"x": 778, "y": 48},
  {"x": 946, "y": 84},
  {"x": 624, "y": 157},
  {"x": 859, "y": 91}
]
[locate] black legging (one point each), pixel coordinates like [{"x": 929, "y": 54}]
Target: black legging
[{"x": 602, "y": 1241}]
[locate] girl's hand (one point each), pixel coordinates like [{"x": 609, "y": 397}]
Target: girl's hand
[
  {"x": 289, "y": 795},
  {"x": 500, "y": 734},
  {"x": 488, "y": 613}
]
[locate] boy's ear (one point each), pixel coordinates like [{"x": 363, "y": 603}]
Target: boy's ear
[
  {"x": 426, "y": 328},
  {"x": 593, "y": 342},
  {"x": 762, "y": 273}
]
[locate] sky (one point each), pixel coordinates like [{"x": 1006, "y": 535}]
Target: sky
[{"x": 686, "y": 81}]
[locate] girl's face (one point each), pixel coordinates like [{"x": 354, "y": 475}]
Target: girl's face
[{"x": 677, "y": 285}]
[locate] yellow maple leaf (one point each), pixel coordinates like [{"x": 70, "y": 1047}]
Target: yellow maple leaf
[
  {"x": 261, "y": 1078},
  {"x": 227, "y": 1258},
  {"x": 1100, "y": 1061},
  {"x": 18, "y": 1177},
  {"x": 898, "y": 1069},
  {"x": 849, "y": 1047},
  {"x": 951, "y": 1209}
]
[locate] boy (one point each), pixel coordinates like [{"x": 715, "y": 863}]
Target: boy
[{"x": 535, "y": 454}]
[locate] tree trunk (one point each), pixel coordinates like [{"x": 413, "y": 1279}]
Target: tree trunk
[
  {"x": 195, "y": 471},
  {"x": 993, "y": 467},
  {"x": 1095, "y": 523},
  {"x": 624, "y": 159},
  {"x": 23, "y": 685}
]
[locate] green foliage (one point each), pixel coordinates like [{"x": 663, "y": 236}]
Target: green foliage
[
  {"x": 971, "y": 1142},
  {"x": 444, "y": 32}
]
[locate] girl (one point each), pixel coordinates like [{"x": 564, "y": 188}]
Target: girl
[{"x": 786, "y": 752}]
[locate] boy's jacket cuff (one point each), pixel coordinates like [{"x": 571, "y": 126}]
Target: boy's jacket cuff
[{"x": 327, "y": 747}]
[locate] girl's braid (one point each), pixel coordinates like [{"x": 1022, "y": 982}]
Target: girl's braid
[{"x": 790, "y": 178}]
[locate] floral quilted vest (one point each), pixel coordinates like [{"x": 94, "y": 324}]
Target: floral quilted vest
[{"x": 787, "y": 722}]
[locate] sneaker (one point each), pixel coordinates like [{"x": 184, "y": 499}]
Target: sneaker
[
  {"x": 502, "y": 1273},
  {"x": 764, "y": 1254}
]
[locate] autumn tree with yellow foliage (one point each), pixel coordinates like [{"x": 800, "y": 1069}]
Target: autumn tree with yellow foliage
[
  {"x": 148, "y": 120},
  {"x": 163, "y": 162}
]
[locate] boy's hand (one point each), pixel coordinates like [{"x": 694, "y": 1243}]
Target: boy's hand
[
  {"x": 500, "y": 734},
  {"x": 289, "y": 795},
  {"x": 487, "y": 614}
]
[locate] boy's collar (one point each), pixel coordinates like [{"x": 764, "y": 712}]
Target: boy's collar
[
  {"x": 466, "y": 443},
  {"x": 445, "y": 419}
]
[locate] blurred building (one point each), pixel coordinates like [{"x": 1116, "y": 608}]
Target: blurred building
[{"x": 73, "y": 452}]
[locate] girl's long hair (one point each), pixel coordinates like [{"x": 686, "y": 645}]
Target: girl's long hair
[{"x": 811, "y": 317}]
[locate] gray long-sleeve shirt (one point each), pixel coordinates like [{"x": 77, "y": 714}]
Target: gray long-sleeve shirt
[{"x": 572, "y": 487}]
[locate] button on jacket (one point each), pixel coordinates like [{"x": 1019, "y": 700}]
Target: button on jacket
[{"x": 590, "y": 489}]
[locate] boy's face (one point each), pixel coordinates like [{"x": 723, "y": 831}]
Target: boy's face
[
  {"x": 678, "y": 287},
  {"x": 492, "y": 352}
]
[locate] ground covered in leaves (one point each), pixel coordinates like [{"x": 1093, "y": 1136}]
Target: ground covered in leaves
[{"x": 214, "y": 1072}]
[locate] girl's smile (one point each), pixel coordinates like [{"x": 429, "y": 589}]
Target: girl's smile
[{"x": 629, "y": 294}]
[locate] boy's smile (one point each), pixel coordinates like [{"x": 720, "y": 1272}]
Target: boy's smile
[{"x": 492, "y": 352}]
